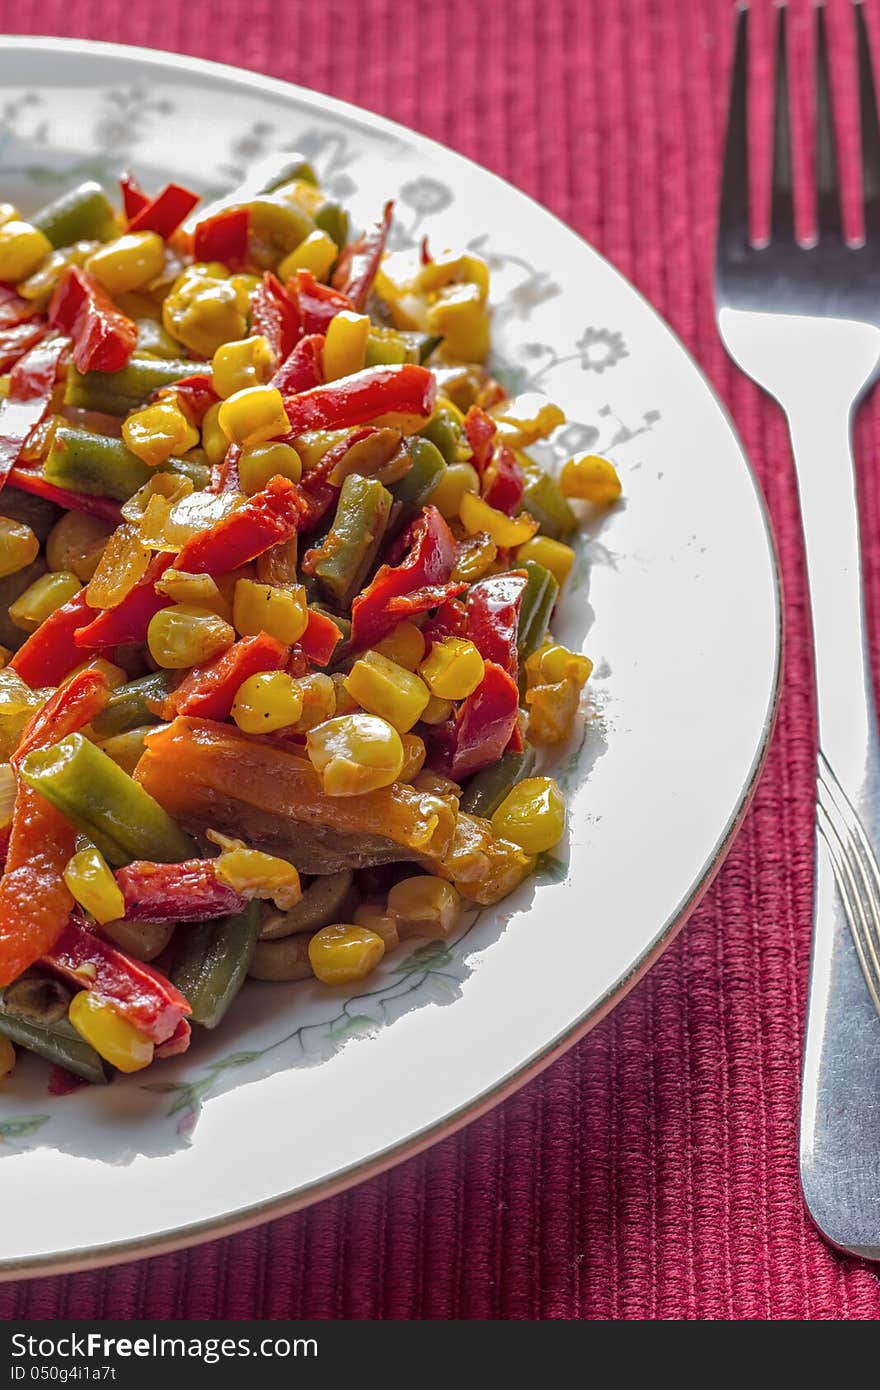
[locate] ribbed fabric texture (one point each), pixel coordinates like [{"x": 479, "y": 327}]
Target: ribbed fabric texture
[{"x": 652, "y": 1172}]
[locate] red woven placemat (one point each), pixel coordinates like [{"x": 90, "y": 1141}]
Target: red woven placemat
[{"x": 652, "y": 1172}]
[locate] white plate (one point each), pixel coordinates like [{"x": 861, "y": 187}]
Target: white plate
[{"x": 304, "y": 1090}]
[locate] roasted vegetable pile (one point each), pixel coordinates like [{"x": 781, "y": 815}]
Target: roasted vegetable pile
[{"x": 276, "y": 577}]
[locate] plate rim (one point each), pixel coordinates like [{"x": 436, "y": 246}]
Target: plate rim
[{"x": 244, "y": 1218}]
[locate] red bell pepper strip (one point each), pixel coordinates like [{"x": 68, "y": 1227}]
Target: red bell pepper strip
[
  {"x": 51, "y": 653},
  {"x": 268, "y": 517},
  {"x": 103, "y": 338},
  {"x": 304, "y": 368},
  {"x": 223, "y": 237},
  {"x": 208, "y": 691},
  {"x": 185, "y": 892},
  {"x": 484, "y": 723},
  {"x": 276, "y": 316},
  {"x": 29, "y": 480},
  {"x": 13, "y": 309},
  {"x": 357, "y": 265},
  {"x": 19, "y": 339},
  {"x": 320, "y": 639},
  {"x": 429, "y": 562},
  {"x": 134, "y": 199},
  {"x": 318, "y": 303},
  {"x": 504, "y": 482},
  {"x": 196, "y": 394},
  {"x": 165, "y": 212},
  {"x": 129, "y": 620},
  {"x": 70, "y": 708},
  {"x": 35, "y": 902},
  {"x": 355, "y": 400},
  {"x": 177, "y": 1043},
  {"x": 143, "y": 996},
  {"x": 450, "y": 620},
  {"x": 63, "y": 1082},
  {"x": 224, "y": 475},
  {"x": 480, "y": 431},
  {"x": 420, "y": 600},
  {"x": 493, "y": 615},
  {"x": 30, "y": 394}
]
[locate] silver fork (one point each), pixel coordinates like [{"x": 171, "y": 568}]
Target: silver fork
[{"x": 804, "y": 323}]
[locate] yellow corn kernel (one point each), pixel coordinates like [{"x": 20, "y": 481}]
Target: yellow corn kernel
[
  {"x": 553, "y": 555},
  {"x": 591, "y": 479},
  {"x": 526, "y": 419},
  {"x": 214, "y": 441},
  {"x": 158, "y": 431},
  {"x": 483, "y": 867},
  {"x": 255, "y": 874},
  {"x": 254, "y": 415},
  {"x": 373, "y": 916},
  {"x": 553, "y": 663},
  {"x": 184, "y": 635},
  {"x": 346, "y": 344},
  {"x": 461, "y": 318},
  {"x": 197, "y": 590},
  {"x": 19, "y": 546},
  {"x": 129, "y": 262},
  {"x": 388, "y": 690},
  {"x": 344, "y": 953},
  {"x": 126, "y": 749},
  {"x": 22, "y": 248},
  {"x": 76, "y": 543},
  {"x": 204, "y": 309},
  {"x": 436, "y": 711},
  {"x": 318, "y": 701},
  {"x": 247, "y": 362},
  {"x": 111, "y": 1035},
  {"x": 8, "y": 213},
  {"x": 506, "y": 531},
  {"x": 414, "y": 753},
  {"x": 7, "y": 1057},
  {"x": 532, "y": 815},
  {"x": 355, "y": 753},
  {"x": 404, "y": 644},
  {"x": 424, "y": 906},
  {"x": 41, "y": 598},
  {"x": 262, "y": 462},
  {"x": 92, "y": 884},
  {"x": 453, "y": 669},
  {"x": 282, "y": 613},
  {"x": 317, "y": 254},
  {"x": 449, "y": 489},
  {"x": 267, "y": 701}
]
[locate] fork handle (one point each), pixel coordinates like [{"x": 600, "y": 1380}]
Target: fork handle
[{"x": 840, "y": 1097}]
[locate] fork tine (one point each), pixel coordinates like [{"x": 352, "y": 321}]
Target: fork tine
[
  {"x": 870, "y": 129},
  {"x": 782, "y": 200},
  {"x": 828, "y": 213},
  {"x": 733, "y": 218}
]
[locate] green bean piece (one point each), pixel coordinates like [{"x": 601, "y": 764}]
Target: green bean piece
[
  {"x": 416, "y": 486},
  {"x": 56, "y": 1042},
  {"x": 117, "y": 393},
  {"x": 130, "y": 705},
  {"x": 325, "y": 900},
  {"x": 96, "y": 464},
  {"x": 213, "y": 962},
  {"x": 445, "y": 432},
  {"x": 333, "y": 220},
  {"x": 543, "y": 499},
  {"x": 153, "y": 341},
  {"x": 353, "y": 541},
  {"x": 423, "y": 344},
  {"x": 485, "y": 792},
  {"x": 83, "y": 214},
  {"x": 102, "y": 801},
  {"x": 199, "y": 473},
  {"x": 538, "y": 601}
]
